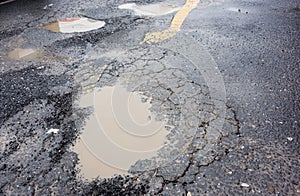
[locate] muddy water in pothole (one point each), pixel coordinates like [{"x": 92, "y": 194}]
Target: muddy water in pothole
[
  {"x": 72, "y": 25},
  {"x": 158, "y": 9},
  {"x": 24, "y": 54},
  {"x": 121, "y": 131}
]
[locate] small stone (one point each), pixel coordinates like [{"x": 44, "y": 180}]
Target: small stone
[
  {"x": 189, "y": 194},
  {"x": 52, "y": 131},
  {"x": 245, "y": 185},
  {"x": 290, "y": 138},
  {"x": 271, "y": 188}
]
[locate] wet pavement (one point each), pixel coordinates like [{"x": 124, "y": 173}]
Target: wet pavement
[{"x": 149, "y": 97}]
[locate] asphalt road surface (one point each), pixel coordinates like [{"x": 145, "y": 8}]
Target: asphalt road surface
[{"x": 223, "y": 74}]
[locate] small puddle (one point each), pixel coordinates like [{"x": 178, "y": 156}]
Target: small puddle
[
  {"x": 158, "y": 9},
  {"x": 72, "y": 25},
  {"x": 121, "y": 131},
  {"x": 24, "y": 54}
]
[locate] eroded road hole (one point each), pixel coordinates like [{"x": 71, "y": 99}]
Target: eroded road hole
[
  {"x": 172, "y": 92},
  {"x": 158, "y": 9},
  {"x": 24, "y": 54},
  {"x": 120, "y": 131},
  {"x": 72, "y": 25}
]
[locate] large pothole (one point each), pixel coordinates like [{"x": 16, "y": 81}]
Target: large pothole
[
  {"x": 120, "y": 131},
  {"x": 176, "y": 102}
]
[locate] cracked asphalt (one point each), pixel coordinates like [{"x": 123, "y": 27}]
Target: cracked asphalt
[{"x": 228, "y": 83}]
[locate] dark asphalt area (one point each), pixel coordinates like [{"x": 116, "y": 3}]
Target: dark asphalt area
[{"x": 253, "y": 47}]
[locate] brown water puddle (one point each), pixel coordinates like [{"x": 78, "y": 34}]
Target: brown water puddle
[
  {"x": 72, "y": 25},
  {"x": 158, "y": 9},
  {"x": 13, "y": 49},
  {"x": 121, "y": 131},
  {"x": 24, "y": 54}
]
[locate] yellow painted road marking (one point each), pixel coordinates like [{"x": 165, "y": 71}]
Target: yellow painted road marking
[{"x": 175, "y": 26}]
